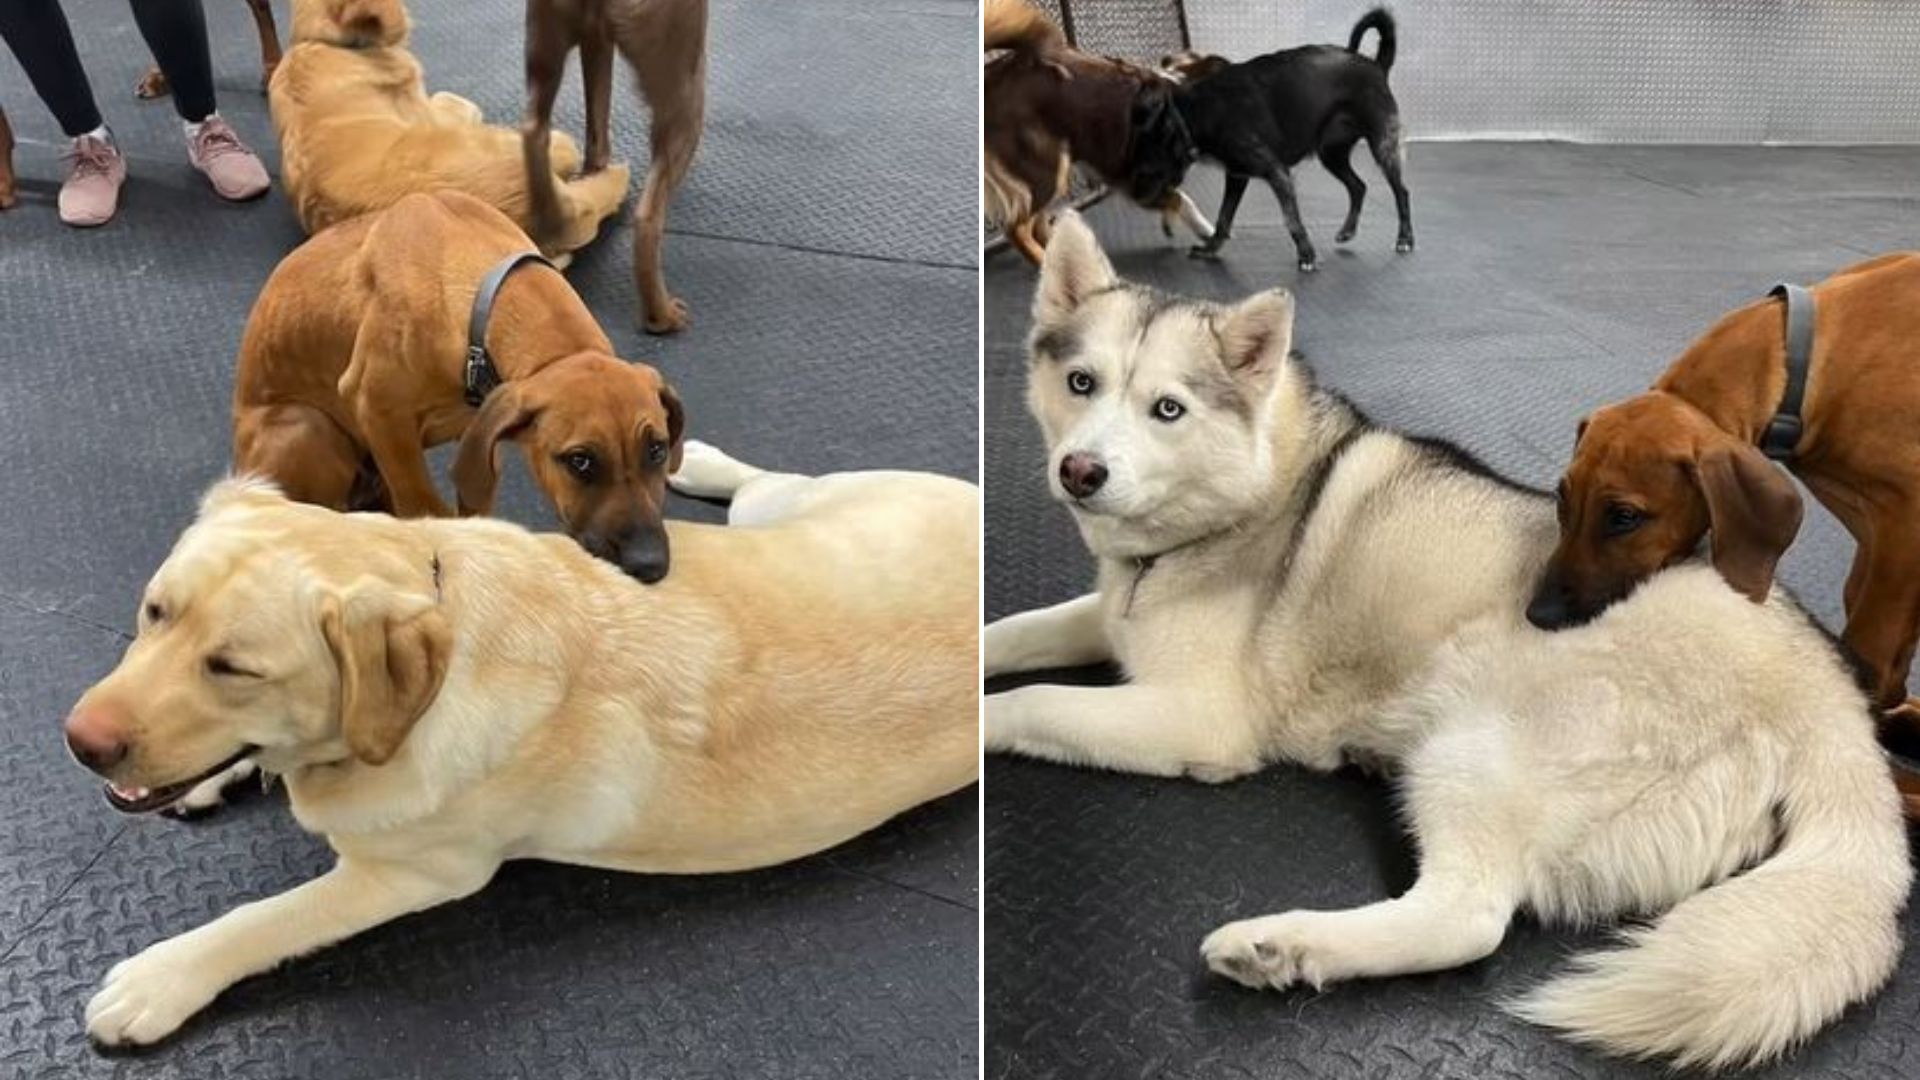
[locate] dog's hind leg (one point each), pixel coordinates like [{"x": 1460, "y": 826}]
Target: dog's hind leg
[
  {"x": 301, "y": 449},
  {"x": 1023, "y": 235},
  {"x": 1390, "y": 154},
  {"x": 706, "y": 472},
  {"x": 1336, "y": 158},
  {"x": 1150, "y": 730},
  {"x": 546, "y": 62},
  {"x": 596, "y": 75},
  {"x": 1282, "y": 182},
  {"x": 269, "y": 39},
  {"x": 1064, "y": 635},
  {"x": 1223, "y": 223},
  {"x": 678, "y": 98}
]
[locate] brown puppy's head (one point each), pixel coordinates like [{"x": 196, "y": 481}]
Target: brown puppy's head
[
  {"x": 271, "y": 632},
  {"x": 600, "y": 435},
  {"x": 1650, "y": 476}
]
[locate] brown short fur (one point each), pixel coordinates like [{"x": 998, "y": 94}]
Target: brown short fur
[
  {"x": 6, "y": 161},
  {"x": 1684, "y": 456},
  {"x": 358, "y": 131},
  {"x": 353, "y": 360},
  {"x": 665, "y": 42}
]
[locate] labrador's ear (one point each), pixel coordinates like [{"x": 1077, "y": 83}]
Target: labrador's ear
[
  {"x": 1074, "y": 269},
  {"x": 1755, "y": 511},
  {"x": 506, "y": 414},
  {"x": 676, "y": 426},
  {"x": 392, "y": 653}
]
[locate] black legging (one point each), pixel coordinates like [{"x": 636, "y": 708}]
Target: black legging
[{"x": 175, "y": 30}]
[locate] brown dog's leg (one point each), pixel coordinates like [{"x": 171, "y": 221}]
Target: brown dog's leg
[
  {"x": 677, "y": 118},
  {"x": 547, "y": 47},
  {"x": 152, "y": 85},
  {"x": 6, "y": 161},
  {"x": 1022, "y": 234},
  {"x": 1884, "y": 620},
  {"x": 269, "y": 39},
  {"x": 299, "y": 448},
  {"x": 596, "y": 75}
]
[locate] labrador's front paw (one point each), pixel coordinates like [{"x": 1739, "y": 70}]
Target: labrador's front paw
[{"x": 147, "y": 997}]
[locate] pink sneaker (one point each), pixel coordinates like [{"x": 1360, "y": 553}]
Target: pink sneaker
[
  {"x": 91, "y": 192},
  {"x": 216, "y": 151}
]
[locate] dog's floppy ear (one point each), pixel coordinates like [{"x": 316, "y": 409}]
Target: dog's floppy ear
[
  {"x": 1755, "y": 511},
  {"x": 1074, "y": 269},
  {"x": 676, "y": 426},
  {"x": 505, "y": 414},
  {"x": 1257, "y": 333},
  {"x": 392, "y": 652}
]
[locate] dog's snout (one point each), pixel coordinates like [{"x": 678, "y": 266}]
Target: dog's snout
[
  {"x": 1552, "y": 606},
  {"x": 1082, "y": 475},
  {"x": 97, "y": 736},
  {"x": 644, "y": 556}
]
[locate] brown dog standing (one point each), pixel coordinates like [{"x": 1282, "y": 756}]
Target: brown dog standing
[
  {"x": 1653, "y": 474},
  {"x": 354, "y": 362},
  {"x": 665, "y": 41}
]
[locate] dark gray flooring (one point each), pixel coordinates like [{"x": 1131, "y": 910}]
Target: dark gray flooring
[
  {"x": 1550, "y": 279},
  {"x": 826, "y": 241}
]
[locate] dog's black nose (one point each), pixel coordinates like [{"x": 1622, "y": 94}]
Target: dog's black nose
[
  {"x": 1549, "y": 610},
  {"x": 1081, "y": 475},
  {"x": 645, "y": 557}
]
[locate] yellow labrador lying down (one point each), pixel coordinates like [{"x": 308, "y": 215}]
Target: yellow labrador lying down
[{"x": 443, "y": 695}]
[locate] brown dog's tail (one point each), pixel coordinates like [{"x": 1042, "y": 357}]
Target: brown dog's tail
[
  {"x": 351, "y": 24},
  {"x": 1017, "y": 25},
  {"x": 1381, "y": 20}
]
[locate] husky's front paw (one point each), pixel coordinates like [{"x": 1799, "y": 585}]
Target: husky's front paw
[
  {"x": 1271, "y": 952},
  {"x": 147, "y": 997}
]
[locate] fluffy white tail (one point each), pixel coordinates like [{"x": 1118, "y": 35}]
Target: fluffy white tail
[{"x": 1741, "y": 972}]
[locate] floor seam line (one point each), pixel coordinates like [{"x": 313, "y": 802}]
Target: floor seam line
[
  {"x": 928, "y": 893},
  {"x": 25, "y": 605},
  {"x": 54, "y": 901},
  {"x": 933, "y": 264}
]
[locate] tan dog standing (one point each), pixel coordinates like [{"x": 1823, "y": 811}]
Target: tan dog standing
[
  {"x": 442, "y": 696},
  {"x": 358, "y": 131},
  {"x": 354, "y": 361},
  {"x": 665, "y": 42},
  {"x": 1652, "y": 475}
]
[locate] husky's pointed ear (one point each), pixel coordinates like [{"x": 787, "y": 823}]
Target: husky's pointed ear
[
  {"x": 1257, "y": 333},
  {"x": 1075, "y": 268}
]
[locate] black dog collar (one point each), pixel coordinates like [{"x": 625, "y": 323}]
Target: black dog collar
[
  {"x": 1783, "y": 431},
  {"x": 481, "y": 376}
]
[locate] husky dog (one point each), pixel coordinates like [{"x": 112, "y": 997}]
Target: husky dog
[{"x": 1283, "y": 581}]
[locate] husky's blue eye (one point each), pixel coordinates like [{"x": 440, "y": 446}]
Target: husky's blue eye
[
  {"x": 1168, "y": 410},
  {"x": 1080, "y": 383}
]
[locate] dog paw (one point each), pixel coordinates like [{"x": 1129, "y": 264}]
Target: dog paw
[
  {"x": 151, "y": 85},
  {"x": 6, "y": 195},
  {"x": 1273, "y": 952},
  {"x": 1309, "y": 264},
  {"x": 1403, "y": 245},
  {"x": 672, "y": 321},
  {"x": 1343, "y": 236},
  {"x": 147, "y": 997},
  {"x": 1204, "y": 251}
]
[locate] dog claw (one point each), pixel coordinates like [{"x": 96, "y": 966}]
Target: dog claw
[
  {"x": 674, "y": 321},
  {"x": 1403, "y": 245},
  {"x": 1202, "y": 251},
  {"x": 1308, "y": 266}
]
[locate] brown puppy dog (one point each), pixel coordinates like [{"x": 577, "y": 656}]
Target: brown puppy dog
[
  {"x": 1651, "y": 475},
  {"x": 6, "y": 161},
  {"x": 154, "y": 83},
  {"x": 358, "y": 131},
  {"x": 354, "y": 361},
  {"x": 1048, "y": 105},
  {"x": 665, "y": 41}
]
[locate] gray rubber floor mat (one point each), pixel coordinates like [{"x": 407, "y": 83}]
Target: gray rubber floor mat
[
  {"x": 1549, "y": 279},
  {"x": 826, "y": 241}
]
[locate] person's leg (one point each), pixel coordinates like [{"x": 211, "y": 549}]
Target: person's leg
[
  {"x": 37, "y": 33},
  {"x": 176, "y": 33}
]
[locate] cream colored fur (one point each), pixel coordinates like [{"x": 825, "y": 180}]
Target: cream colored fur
[
  {"x": 805, "y": 674},
  {"x": 1326, "y": 591}
]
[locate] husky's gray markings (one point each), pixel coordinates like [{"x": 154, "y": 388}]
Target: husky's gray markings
[{"x": 1287, "y": 582}]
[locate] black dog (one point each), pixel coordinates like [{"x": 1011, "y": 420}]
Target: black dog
[{"x": 1262, "y": 117}]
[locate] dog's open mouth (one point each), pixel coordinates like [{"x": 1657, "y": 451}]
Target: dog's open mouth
[{"x": 139, "y": 800}]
